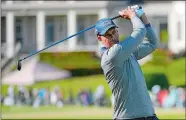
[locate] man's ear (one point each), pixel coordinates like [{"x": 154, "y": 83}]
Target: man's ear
[{"x": 99, "y": 37}]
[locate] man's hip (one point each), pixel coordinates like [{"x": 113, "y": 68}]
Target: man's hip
[{"x": 141, "y": 118}]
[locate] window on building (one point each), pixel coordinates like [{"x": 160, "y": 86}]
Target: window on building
[
  {"x": 163, "y": 33},
  {"x": 179, "y": 30},
  {"x": 49, "y": 30},
  {"x": 56, "y": 29},
  {"x": 3, "y": 37},
  {"x": 18, "y": 30},
  {"x": 88, "y": 37},
  {"x": 3, "y": 30},
  {"x": 81, "y": 26}
]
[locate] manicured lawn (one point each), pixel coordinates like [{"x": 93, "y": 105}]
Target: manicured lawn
[
  {"x": 77, "y": 112},
  {"x": 175, "y": 71}
]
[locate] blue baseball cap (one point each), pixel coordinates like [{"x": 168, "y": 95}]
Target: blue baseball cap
[{"x": 103, "y": 25}]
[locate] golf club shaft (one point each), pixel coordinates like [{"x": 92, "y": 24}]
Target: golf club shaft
[{"x": 64, "y": 40}]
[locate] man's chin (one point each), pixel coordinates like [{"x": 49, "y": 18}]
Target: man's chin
[{"x": 117, "y": 41}]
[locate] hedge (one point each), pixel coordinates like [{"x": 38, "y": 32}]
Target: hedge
[
  {"x": 78, "y": 63},
  {"x": 156, "y": 79},
  {"x": 71, "y": 60}
]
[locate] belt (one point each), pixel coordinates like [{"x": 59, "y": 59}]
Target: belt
[
  {"x": 146, "y": 118},
  {"x": 142, "y": 118}
]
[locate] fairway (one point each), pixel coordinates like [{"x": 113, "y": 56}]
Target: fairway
[{"x": 78, "y": 112}]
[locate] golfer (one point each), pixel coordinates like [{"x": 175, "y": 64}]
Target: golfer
[{"x": 120, "y": 66}]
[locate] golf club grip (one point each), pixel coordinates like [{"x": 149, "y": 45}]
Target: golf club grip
[
  {"x": 115, "y": 17},
  {"x": 120, "y": 16}
]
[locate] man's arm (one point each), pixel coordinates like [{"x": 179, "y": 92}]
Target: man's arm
[
  {"x": 124, "y": 49},
  {"x": 145, "y": 49},
  {"x": 129, "y": 45}
]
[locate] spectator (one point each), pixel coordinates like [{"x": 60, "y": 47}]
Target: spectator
[
  {"x": 11, "y": 96},
  {"x": 99, "y": 96},
  {"x": 47, "y": 96},
  {"x": 180, "y": 98},
  {"x": 21, "y": 94},
  {"x": 35, "y": 93},
  {"x": 161, "y": 96},
  {"x": 79, "y": 98},
  {"x": 62, "y": 95},
  {"x": 84, "y": 97},
  {"x": 41, "y": 95},
  {"x": 1, "y": 98},
  {"x": 11, "y": 91},
  {"x": 8, "y": 101},
  {"x": 30, "y": 98},
  {"x": 70, "y": 97},
  {"x": 155, "y": 90},
  {"x": 53, "y": 97},
  {"x": 170, "y": 100},
  {"x": 36, "y": 100},
  {"x": 90, "y": 97}
]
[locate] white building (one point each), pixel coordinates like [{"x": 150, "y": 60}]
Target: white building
[
  {"x": 170, "y": 16},
  {"x": 36, "y": 24},
  {"x": 39, "y": 23}
]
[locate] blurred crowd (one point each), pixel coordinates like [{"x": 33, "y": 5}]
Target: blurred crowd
[
  {"x": 165, "y": 98},
  {"x": 44, "y": 96}
]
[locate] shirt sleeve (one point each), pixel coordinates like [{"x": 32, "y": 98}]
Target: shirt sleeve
[
  {"x": 147, "y": 47},
  {"x": 130, "y": 44}
]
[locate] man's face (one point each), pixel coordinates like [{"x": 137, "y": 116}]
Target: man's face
[{"x": 110, "y": 38}]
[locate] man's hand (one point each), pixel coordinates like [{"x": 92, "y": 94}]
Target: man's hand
[
  {"x": 128, "y": 13},
  {"x": 139, "y": 10},
  {"x": 141, "y": 14}
]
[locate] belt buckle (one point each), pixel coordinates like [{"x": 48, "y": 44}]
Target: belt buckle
[
  {"x": 142, "y": 118},
  {"x": 145, "y": 118}
]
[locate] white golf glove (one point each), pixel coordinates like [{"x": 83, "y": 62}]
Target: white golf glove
[{"x": 139, "y": 11}]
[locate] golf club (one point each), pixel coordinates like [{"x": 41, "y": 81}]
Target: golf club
[{"x": 19, "y": 61}]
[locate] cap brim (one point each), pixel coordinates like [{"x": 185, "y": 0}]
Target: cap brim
[{"x": 107, "y": 28}]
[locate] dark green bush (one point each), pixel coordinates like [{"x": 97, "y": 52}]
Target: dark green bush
[
  {"x": 85, "y": 72},
  {"x": 156, "y": 79},
  {"x": 78, "y": 63},
  {"x": 71, "y": 60}
]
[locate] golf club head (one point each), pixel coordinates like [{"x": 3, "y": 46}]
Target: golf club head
[{"x": 19, "y": 65}]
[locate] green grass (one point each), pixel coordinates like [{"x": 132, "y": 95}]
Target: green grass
[
  {"x": 77, "y": 112},
  {"x": 175, "y": 71}
]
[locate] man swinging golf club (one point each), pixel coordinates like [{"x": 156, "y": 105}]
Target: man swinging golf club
[{"x": 120, "y": 66}]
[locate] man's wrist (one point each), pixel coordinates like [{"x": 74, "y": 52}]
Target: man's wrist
[
  {"x": 144, "y": 19},
  {"x": 148, "y": 25},
  {"x": 137, "y": 23},
  {"x": 132, "y": 16}
]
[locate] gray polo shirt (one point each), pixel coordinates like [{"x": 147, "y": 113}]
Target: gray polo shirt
[{"x": 124, "y": 75}]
